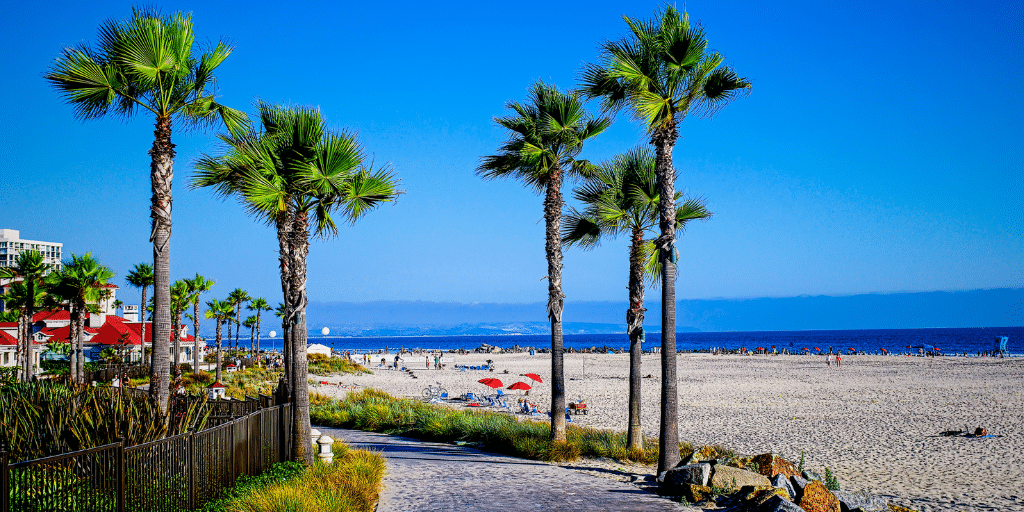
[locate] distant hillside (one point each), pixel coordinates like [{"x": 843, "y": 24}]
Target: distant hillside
[{"x": 976, "y": 308}]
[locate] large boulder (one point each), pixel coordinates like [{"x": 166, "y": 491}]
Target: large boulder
[
  {"x": 702, "y": 454},
  {"x": 778, "y": 504},
  {"x": 769, "y": 464},
  {"x": 732, "y": 479},
  {"x": 674, "y": 481},
  {"x": 852, "y": 500},
  {"x": 798, "y": 487},
  {"x": 696, "y": 493},
  {"x": 817, "y": 498}
]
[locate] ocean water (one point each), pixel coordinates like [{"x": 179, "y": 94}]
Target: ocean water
[{"x": 948, "y": 340}]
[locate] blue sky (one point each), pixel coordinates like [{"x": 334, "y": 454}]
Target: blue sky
[{"x": 880, "y": 150}]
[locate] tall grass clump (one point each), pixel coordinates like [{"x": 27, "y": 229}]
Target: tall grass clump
[
  {"x": 351, "y": 483},
  {"x": 47, "y": 417},
  {"x": 378, "y": 411},
  {"x": 320, "y": 364}
]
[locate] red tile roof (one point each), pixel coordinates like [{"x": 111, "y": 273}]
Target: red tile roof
[
  {"x": 52, "y": 316},
  {"x": 136, "y": 328},
  {"x": 7, "y": 339},
  {"x": 62, "y": 333},
  {"x": 115, "y": 332},
  {"x": 8, "y": 325}
]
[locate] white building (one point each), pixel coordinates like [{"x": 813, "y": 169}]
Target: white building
[{"x": 11, "y": 245}]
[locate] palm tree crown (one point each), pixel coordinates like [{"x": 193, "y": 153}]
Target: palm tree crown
[{"x": 197, "y": 286}]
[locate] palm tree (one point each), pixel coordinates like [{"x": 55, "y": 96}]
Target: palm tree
[
  {"x": 259, "y": 305},
  {"x": 237, "y": 298},
  {"x": 221, "y": 311},
  {"x": 80, "y": 282},
  {"x": 546, "y": 134},
  {"x": 197, "y": 286},
  {"x": 17, "y": 300},
  {"x": 623, "y": 200},
  {"x": 181, "y": 297},
  {"x": 661, "y": 72},
  {"x": 142, "y": 277},
  {"x": 250, "y": 322},
  {"x": 28, "y": 267},
  {"x": 292, "y": 173},
  {"x": 149, "y": 63}
]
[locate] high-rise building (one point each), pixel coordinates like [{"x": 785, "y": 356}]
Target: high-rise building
[{"x": 11, "y": 245}]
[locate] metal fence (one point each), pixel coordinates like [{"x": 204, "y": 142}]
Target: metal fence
[{"x": 177, "y": 473}]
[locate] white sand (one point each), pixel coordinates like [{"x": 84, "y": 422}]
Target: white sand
[{"x": 874, "y": 421}]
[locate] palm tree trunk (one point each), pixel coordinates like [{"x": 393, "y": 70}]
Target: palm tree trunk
[
  {"x": 238, "y": 325},
  {"x": 30, "y": 306},
  {"x": 284, "y": 229},
  {"x": 257, "y": 352},
  {"x": 195, "y": 336},
  {"x": 72, "y": 337},
  {"x": 299, "y": 245},
  {"x": 80, "y": 346},
  {"x": 664, "y": 140},
  {"x": 176, "y": 332},
  {"x": 142, "y": 328},
  {"x": 218, "y": 350},
  {"x": 553, "y": 249},
  {"x": 24, "y": 341},
  {"x": 229, "y": 334},
  {"x": 635, "y": 331},
  {"x": 161, "y": 173}
]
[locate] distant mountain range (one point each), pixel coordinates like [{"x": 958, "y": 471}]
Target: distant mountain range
[{"x": 975, "y": 308}]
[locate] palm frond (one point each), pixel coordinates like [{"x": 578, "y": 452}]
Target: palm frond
[{"x": 581, "y": 230}]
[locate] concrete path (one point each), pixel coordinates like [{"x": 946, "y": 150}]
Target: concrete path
[{"x": 423, "y": 476}]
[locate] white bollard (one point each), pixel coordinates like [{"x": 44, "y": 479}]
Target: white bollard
[
  {"x": 314, "y": 434},
  {"x": 326, "y": 449}
]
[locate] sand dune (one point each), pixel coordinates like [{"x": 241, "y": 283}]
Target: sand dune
[{"x": 874, "y": 421}]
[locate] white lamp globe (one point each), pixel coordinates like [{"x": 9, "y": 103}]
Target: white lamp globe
[
  {"x": 325, "y": 331},
  {"x": 273, "y": 333}
]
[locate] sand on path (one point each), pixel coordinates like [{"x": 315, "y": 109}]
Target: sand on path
[{"x": 874, "y": 422}]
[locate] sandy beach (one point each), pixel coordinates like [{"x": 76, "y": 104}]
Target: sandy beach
[{"x": 875, "y": 421}]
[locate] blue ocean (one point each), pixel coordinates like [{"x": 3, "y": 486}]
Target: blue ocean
[{"x": 948, "y": 340}]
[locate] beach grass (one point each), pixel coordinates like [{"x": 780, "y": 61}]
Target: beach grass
[
  {"x": 377, "y": 411},
  {"x": 322, "y": 365},
  {"x": 351, "y": 483}
]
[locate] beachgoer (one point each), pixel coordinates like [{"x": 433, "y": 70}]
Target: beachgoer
[
  {"x": 428, "y": 362},
  {"x": 437, "y": 362},
  {"x": 839, "y": 360},
  {"x": 828, "y": 359}
]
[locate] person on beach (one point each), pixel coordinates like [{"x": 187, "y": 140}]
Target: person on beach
[
  {"x": 428, "y": 361},
  {"x": 828, "y": 359},
  {"x": 839, "y": 360}
]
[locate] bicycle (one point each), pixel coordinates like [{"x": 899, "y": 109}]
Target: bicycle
[{"x": 435, "y": 392}]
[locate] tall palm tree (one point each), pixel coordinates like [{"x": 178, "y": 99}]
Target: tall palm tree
[
  {"x": 16, "y": 299},
  {"x": 181, "y": 297},
  {"x": 81, "y": 282},
  {"x": 250, "y": 322},
  {"x": 259, "y": 305},
  {"x": 142, "y": 277},
  {"x": 237, "y": 298},
  {"x": 149, "y": 63},
  {"x": 220, "y": 311},
  {"x": 197, "y": 286},
  {"x": 295, "y": 174},
  {"x": 622, "y": 199},
  {"x": 29, "y": 268},
  {"x": 661, "y": 72},
  {"x": 546, "y": 134}
]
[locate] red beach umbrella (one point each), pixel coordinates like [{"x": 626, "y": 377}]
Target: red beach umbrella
[
  {"x": 520, "y": 385},
  {"x": 818, "y": 349},
  {"x": 806, "y": 349},
  {"x": 534, "y": 376},
  {"x": 494, "y": 383}
]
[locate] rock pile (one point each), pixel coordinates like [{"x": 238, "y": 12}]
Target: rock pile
[{"x": 762, "y": 483}]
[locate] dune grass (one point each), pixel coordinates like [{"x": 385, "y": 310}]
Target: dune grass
[
  {"x": 322, "y": 365},
  {"x": 378, "y": 411},
  {"x": 351, "y": 483}
]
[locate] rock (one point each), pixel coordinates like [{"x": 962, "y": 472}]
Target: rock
[
  {"x": 701, "y": 455},
  {"x": 782, "y": 482},
  {"x": 751, "y": 492},
  {"x": 769, "y": 464},
  {"x": 755, "y": 496},
  {"x": 897, "y": 508},
  {"x": 850, "y": 500},
  {"x": 798, "y": 487},
  {"x": 778, "y": 504},
  {"x": 811, "y": 475},
  {"x": 817, "y": 498},
  {"x": 696, "y": 474},
  {"x": 696, "y": 493},
  {"x": 730, "y": 478}
]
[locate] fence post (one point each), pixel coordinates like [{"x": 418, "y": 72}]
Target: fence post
[
  {"x": 120, "y": 475},
  {"x": 234, "y": 465},
  {"x": 191, "y": 458},
  {"x": 5, "y": 482}
]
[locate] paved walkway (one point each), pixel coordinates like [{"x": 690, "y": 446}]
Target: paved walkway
[{"x": 423, "y": 476}]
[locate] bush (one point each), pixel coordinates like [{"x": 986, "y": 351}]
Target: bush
[
  {"x": 380, "y": 412},
  {"x": 320, "y": 364},
  {"x": 352, "y": 482}
]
